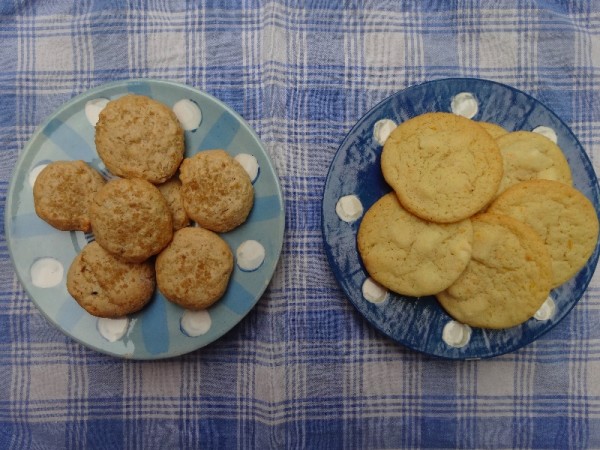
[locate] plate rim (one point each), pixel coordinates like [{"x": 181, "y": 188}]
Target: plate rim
[
  {"x": 593, "y": 258},
  {"x": 90, "y": 93}
]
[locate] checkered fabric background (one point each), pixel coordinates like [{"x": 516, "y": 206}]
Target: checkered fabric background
[{"x": 303, "y": 369}]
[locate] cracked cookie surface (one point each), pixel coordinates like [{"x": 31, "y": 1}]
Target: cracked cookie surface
[
  {"x": 138, "y": 137},
  {"x": 506, "y": 281},
  {"x": 194, "y": 270},
  {"x": 131, "y": 219},
  {"x": 105, "y": 286},
  {"x": 564, "y": 218},
  {"x": 409, "y": 255},
  {"x": 530, "y": 156},
  {"x": 217, "y": 192},
  {"x": 443, "y": 167},
  {"x": 63, "y": 192}
]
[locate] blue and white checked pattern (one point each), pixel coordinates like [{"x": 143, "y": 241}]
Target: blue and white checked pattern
[{"x": 303, "y": 369}]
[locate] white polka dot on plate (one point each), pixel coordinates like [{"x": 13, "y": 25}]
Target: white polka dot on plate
[
  {"x": 464, "y": 104},
  {"x": 93, "y": 108},
  {"x": 374, "y": 292},
  {"x": 46, "y": 272},
  {"x": 250, "y": 165},
  {"x": 349, "y": 208},
  {"x": 188, "y": 113},
  {"x": 250, "y": 255},
  {"x": 112, "y": 329},
  {"x": 382, "y": 130},
  {"x": 546, "y": 311},
  {"x": 34, "y": 173},
  {"x": 195, "y": 323},
  {"x": 546, "y": 132},
  {"x": 456, "y": 334}
]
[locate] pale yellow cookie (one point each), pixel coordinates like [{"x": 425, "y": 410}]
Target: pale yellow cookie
[
  {"x": 217, "y": 191},
  {"x": 194, "y": 270},
  {"x": 105, "y": 286},
  {"x": 443, "y": 167},
  {"x": 171, "y": 190},
  {"x": 531, "y": 156},
  {"x": 138, "y": 137},
  {"x": 411, "y": 256},
  {"x": 506, "y": 281},
  {"x": 495, "y": 131},
  {"x": 131, "y": 219},
  {"x": 564, "y": 218},
  {"x": 62, "y": 194}
]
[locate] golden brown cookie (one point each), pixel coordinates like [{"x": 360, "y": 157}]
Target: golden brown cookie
[
  {"x": 409, "y": 255},
  {"x": 131, "y": 219},
  {"x": 194, "y": 270},
  {"x": 138, "y": 137},
  {"x": 531, "y": 156},
  {"x": 171, "y": 190},
  {"x": 564, "y": 218},
  {"x": 443, "y": 167},
  {"x": 217, "y": 191},
  {"x": 506, "y": 281},
  {"x": 105, "y": 286},
  {"x": 63, "y": 192},
  {"x": 495, "y": 131}
]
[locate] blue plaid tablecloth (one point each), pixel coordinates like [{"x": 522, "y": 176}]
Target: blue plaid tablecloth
[{"x": 303, "y": 369}]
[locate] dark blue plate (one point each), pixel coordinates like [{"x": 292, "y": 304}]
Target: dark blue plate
[{"x": 418, "y": 323}]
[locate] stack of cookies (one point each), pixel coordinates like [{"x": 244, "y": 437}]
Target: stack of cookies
[
  {"x": 141, "y": 217},
  {"x": 485, "y": 220}
]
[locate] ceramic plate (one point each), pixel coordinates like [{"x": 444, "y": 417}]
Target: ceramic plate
[
  {"x": 42, "y": 255},
  {"x": 419, "y": 323}
]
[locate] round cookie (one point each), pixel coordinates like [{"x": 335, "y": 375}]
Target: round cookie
[
  {"x": 443, "y": 167},
  {"x": 138, "y": 137},
  {"x": 194, "y": 270},
  {"x": 62, "y": 193},
  {"x": 506, "y": 281},
  {"x": 411, "y": 256},
  {"x": 495, "y": 131},
  {"x": 171, "y": 190},
  {"x": 564, "y": 218},
  {"x": 131, "y": 219},
  {"x": 217, "y": 191},
  {"x": 531, "y": 156},
  {"x": 105, "y": 286}
]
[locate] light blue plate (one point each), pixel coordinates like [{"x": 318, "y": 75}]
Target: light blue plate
[
  {"x": 155, "y": 331},
  {"x": 418, "y": 323}
]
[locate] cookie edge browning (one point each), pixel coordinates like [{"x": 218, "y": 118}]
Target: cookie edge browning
[
  {"x": 186, "y": 175},
  {"x": 85, "y": 224},
  {"x": 367, "y": 257},
  {"x": 409, "y": 128},
  {"x": 544, "y": 263},
  {"x": 186, "y": 302},
  {"x": 167, "y": 189},
  {"x": 103, "y": 243},
  {"x": 116, "y": 169},
  {"x": 493, "y": 129},
  {"x": 74, "y": 285},
  {"x": 556, "y": 155},
  {"x": 546, "y": 186}
]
